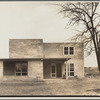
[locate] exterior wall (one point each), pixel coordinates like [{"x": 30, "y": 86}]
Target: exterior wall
[
  {"x": 1, "y": 70},
  {"x": 35, "y": 67},
  {"x": 35, "y": 48},
  {"x": 55, "y": 50},
  {"x": 26, "y": 48},
  {"x": 15, "y": 77},
  {"x": 78, "y": 67}
]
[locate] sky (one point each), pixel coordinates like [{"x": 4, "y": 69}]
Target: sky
[{"x": 34, "y": 20}]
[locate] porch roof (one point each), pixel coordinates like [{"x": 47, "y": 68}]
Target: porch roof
[
  {"x": 57, "y": 58},
  {"x": 25, "y": 59}
]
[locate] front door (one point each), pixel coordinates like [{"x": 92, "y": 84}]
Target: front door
[
  {"x": 59, "y": 70},
  {"x": 56, "y": 70}
]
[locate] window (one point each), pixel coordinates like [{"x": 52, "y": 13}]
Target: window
[
  {"x": 71, "y": 69},
  {"x": 21, "y": 68},
  {"x": 53, "y": 66},
  {"x": 71, "y": 50},
  {"x": 68, "y": 50}
]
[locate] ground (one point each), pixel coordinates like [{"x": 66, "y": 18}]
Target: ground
[
  {"x": 87, "y": 86},
  {"x": 53, "y": 87}
]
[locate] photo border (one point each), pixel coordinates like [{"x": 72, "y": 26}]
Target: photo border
[{"x": 71, "y": 97}]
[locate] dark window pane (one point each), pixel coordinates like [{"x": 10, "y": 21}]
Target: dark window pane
[
  {"x": 66, "y": 52},
  {"x": 71, "y": 48},
  {"x": 65, "y": 48},
  {"x": 71, "y": 65},
  {"x": 53, "y": 69},
  {"x": 71, "y": 52},
  {"x": 71, "y": 73},
  {"x": 18, "y": 74},
  {"x": 24, "y": 74},
  {"x": 71, "y": 68},
  {"x": 53, "y": 75}
]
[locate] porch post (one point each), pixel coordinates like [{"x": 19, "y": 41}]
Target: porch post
[
  {"x": 66, "y": 70},
  {"x": 1, "y": 70}
]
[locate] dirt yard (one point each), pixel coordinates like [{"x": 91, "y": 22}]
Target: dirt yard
[{"x": 52, "y": 87}]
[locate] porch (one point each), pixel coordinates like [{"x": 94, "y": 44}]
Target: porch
[
  {"x": 21, "y": 69},
  {"x": 55, "y": 68}
]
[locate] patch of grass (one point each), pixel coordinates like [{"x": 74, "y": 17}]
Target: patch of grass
[{"x": 94, "y": 90}]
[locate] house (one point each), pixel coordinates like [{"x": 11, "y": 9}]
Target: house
[{"x": 29, "y": 58}]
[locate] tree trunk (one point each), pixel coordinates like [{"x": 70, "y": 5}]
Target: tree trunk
[{"x": 98, "y": 60}]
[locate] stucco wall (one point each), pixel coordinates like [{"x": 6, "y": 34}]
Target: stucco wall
[
  {"x": 55, "y": 50},
  {"x": 35, "y": 48},
  {"x": 78, "y": 67},
  {"x": 26, "y": 48},
  {"x": 35, "y": 67}
]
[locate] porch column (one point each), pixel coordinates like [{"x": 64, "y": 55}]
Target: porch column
[
  {"x": 1, "y": 70},
  {"x": 66, "y": 70},
  {"x": 35, "y": 68}
]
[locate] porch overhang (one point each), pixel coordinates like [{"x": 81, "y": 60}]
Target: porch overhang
[
  {"x": 20, "y": 59},
  {"x": 26, "y": 59},
  {"x": 64, "y": 59}
]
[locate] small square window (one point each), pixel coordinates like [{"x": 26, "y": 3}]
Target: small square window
[
  {"x": 65, "y": 50},
  {"x": 71, "y": 50},
  {"x": 68, "y": 50}
]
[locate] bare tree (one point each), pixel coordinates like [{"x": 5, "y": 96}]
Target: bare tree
[{"x": 85, "y": 14}]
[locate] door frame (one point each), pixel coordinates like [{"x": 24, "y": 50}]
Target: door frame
[{"x": 55, "y": 64}]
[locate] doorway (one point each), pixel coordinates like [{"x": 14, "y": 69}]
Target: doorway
[{"x": 56, "y": 70}]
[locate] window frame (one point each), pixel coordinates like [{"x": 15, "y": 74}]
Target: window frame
[
  {"x": 68, "y": 71},
  {"x": 53, "y": 64},
  {"x": 69, "y": 51}
]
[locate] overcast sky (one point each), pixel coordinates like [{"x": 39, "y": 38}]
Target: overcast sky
[{"x": 26, "y": 20}]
